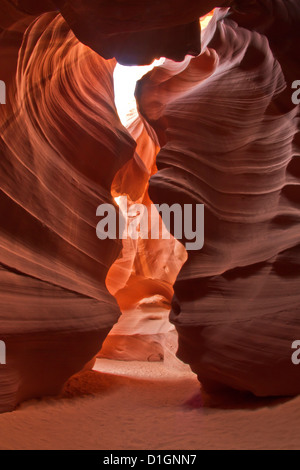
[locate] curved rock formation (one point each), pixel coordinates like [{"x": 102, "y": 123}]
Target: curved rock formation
[
  {"x": 229, "y": 136},
  {"x": 61, "y": 145}
]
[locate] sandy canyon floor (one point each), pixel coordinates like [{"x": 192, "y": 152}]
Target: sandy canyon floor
[{"x": 136, "y": 405}]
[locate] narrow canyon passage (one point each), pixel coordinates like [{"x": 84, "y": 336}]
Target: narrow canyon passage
[
  {"x": 215, "y": 124},
  {"x": 142, "y": 277}
]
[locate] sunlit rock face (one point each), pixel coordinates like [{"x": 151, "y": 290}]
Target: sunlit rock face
[
  {"x": 142, "y": 277},
  {"x": 61, "y": 146},
  {"x": 228, "y": 129}
]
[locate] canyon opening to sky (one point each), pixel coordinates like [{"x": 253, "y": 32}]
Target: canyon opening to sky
[{"x": 125, "y": 79}]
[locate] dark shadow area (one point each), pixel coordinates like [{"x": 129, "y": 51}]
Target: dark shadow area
[{"x": 232, "y": 400}]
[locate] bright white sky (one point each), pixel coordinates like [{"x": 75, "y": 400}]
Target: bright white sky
[{"x": 125, "y": 79}]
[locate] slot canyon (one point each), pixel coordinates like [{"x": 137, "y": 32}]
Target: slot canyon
[{"x": 169, "y": 102}]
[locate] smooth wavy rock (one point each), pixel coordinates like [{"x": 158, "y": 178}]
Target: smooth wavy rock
[
  {"x": 229, "y": 134},
  {"x": 61, "y": 146}
]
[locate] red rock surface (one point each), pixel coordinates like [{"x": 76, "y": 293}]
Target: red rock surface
[
  {"x": 61, "y": 145},
  {"x": 229, "y": 137}
]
